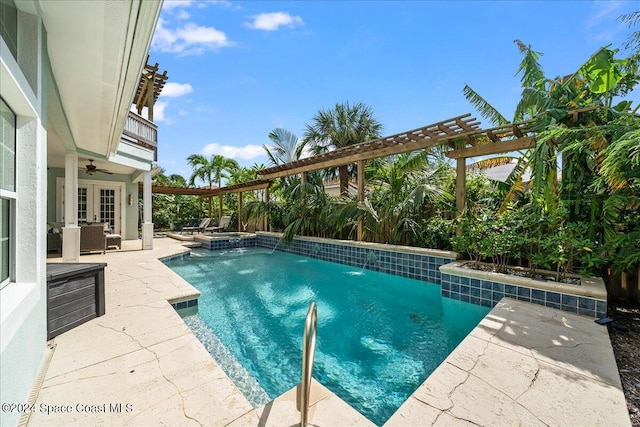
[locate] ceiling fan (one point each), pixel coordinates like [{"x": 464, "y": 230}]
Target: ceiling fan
[{"x": 91, "y": 169}]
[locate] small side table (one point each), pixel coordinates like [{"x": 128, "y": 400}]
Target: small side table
[{"x": 114, "y": 240}]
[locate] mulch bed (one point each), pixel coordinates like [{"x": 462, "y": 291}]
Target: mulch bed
[
  {"x": 626, "y": 348},
  {"x": 541, "y": 275}
]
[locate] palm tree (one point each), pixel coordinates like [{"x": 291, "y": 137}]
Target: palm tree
[
  {"x": 599, "y": 164},
  {"x": 173, "y": 208},
  {"x": 406, "y": 188},
  {"x": 286, "y": 147},
  {"x": 345, "y": 125},
  {"x": 242, "y": 174},
  {"x": 548, "y": 102},
  {"x": 210, "y": 170}
]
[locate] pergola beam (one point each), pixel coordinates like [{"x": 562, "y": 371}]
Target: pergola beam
[
  {"x": 417, "y": 139},
  {"x": 246, "y": 186},
  {"x": 495, "y": 148},
  {"x": 184, "y": 191}
]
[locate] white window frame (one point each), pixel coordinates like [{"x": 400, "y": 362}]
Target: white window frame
[{"x": 12, "y": 196}]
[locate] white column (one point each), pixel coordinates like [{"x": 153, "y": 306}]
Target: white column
[
  {"x": 71, "y": 231},
  {"x": 147, "y": 225}
]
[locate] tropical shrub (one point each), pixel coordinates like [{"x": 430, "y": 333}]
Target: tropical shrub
[{"x": 435, "y": 232}]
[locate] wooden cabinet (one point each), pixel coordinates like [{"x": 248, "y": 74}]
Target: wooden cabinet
[{"x": 75, "y": 295}]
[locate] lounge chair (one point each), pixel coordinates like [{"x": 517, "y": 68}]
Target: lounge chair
[
  {"x": 222, "y": 225},
  {"x": 199, "y": 228}
]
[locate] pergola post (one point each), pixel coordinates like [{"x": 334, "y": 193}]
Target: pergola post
[
  {"x": 210, "y": 205},
  {"x": 240, "y": 211},
  {"x": 220, "y": 208},
  {"x": 360, "y": 198},
  {"x": 461, "y": 184},
  {"x": 303, "y": 181},
  {"x": 266, "y": 200}
]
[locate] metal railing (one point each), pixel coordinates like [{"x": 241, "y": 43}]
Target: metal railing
[{"x": 308, "y": 352}]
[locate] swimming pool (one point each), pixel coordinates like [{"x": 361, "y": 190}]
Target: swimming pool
[{"x": 379, "y": 335}]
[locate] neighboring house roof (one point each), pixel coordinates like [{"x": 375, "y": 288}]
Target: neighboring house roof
[
  {"x": 500, "y": 173},
  {"x": 332, "y": 186}
]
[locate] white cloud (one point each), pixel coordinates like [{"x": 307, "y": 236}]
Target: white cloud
[
  {"x": 603, "y": 25},
  {"x": 174, "y": 4},
  {"x": 273, "y": 21},
  {"x": 188, "y": 39},
  {"x": 173, "y": 89},
  {"x": 247, "y": 152},
  {"x": 604, "y": 12},
  {"x": 183, "y": 15},
  {"x": 158, "y": 111}
]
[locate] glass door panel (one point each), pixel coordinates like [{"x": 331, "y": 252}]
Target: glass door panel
[
  {"x": 83, "y": 205},
  {"x": 108, "y": 207}
]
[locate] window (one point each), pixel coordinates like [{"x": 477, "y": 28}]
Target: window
[
  {"x": 82, "y": 205},
  {"x": 7, "y": 189},
  {"x": 9, "y": 25}
]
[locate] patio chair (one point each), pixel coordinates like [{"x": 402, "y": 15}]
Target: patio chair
[
  {"x": 222, "y": 225},
  {"x": 92, "y": 238},
  {"x": 199, "y": 228}
]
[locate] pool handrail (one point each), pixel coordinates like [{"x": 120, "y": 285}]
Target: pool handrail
[{"x": 308, "y": 353}]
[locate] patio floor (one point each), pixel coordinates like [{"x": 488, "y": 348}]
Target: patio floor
[{"x": 140, "y": 365}]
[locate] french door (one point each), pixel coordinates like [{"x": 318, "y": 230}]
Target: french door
[
  {"x": 107, "y": 206},
  {"x": 98, "y": 203}
]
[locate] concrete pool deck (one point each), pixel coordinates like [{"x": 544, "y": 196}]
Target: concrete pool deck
[{"x": 523, "y": 364}]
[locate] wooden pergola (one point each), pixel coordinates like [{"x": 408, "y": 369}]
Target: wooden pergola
[
  {"x": 149, "y": 87},
  {"x": 461, "y": 134},
  {"x": 258, "y": 184}
]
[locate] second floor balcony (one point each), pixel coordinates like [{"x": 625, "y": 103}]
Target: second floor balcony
[{"x": 141, "y": 132}]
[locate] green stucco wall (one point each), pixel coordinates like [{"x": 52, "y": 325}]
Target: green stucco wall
[{"x": 131, "y": 212}]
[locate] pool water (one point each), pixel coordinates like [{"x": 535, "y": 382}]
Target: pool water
[{"x": 379, "y": 335}]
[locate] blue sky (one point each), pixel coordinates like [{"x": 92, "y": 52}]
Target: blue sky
[{"x": 237, "y": 70}]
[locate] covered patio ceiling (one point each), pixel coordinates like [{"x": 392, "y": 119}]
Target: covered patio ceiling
[{"x": 96, "y": 55}]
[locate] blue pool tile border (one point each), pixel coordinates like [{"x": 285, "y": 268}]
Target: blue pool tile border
[
  {"x": 191, "y": 304},
  {"x": 185, "y": 304},
  {"x": 489, "y": 293},
  {"x": 175, "y": 257},
  {"x": 424, "y": 267},
  {"x": 230, "y": 243}
]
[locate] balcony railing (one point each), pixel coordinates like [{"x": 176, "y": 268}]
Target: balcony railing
[{"x": 141, "y": 132}]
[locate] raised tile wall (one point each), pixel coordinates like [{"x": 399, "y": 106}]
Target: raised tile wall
[
  {"x": 412, "y": 265},
  {"x": 231, "y": 243},
  {"x": 489, "y": 293}
]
